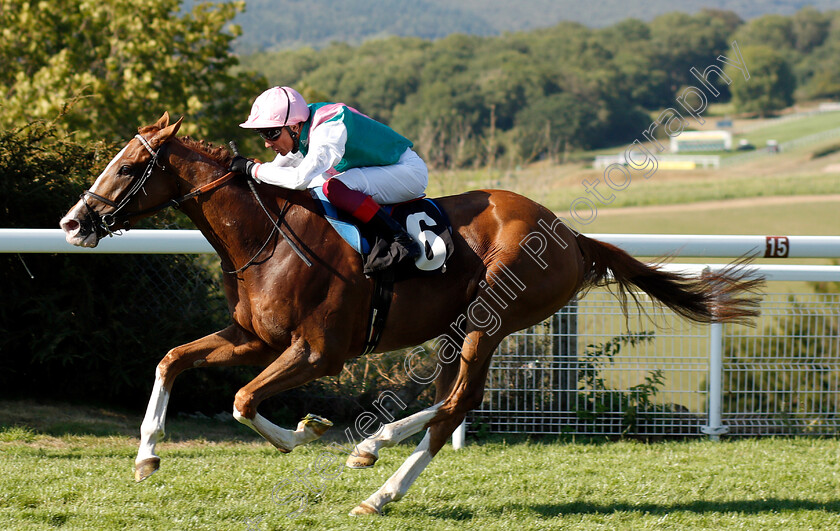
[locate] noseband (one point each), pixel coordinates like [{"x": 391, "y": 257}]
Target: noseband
[{"x": 108, "y": 221}]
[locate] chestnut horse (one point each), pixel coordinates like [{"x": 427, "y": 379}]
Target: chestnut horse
[{"x": 514, "y": 264}]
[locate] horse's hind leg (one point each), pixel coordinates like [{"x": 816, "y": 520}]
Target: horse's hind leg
[
  {"x": 231, "y": 346},
  {"x": 366, "y": 453},
  {"x": 465, "y": 394},
  {"x": 299, "y": 364},
  {"x": 399, "y": 483}
]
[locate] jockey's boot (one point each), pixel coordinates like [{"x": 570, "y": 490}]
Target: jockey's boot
[{"x": 388, "y": 225}]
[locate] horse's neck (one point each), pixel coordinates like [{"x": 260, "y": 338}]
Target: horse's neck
[{"x": 229, "y": 216}]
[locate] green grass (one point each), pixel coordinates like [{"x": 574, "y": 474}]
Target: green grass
[
  {"x": 793, "y": 129},
  {"x": 786, "y": 218},
  {"x": 668, "y": 190},
  {"x": 688, "y": 190},
  {"x": 84, "y": 482},
  {"x": 556, "y": 186}
]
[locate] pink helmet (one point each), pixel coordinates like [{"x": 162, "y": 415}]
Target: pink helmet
[{"x": 276, "y": 107}]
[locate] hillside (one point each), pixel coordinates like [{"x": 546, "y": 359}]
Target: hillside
[{"x": 278, "y": 24}]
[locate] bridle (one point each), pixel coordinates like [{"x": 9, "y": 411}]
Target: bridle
[
  {"x": 120, "y": 221},
  {"x": 116, "y": 220}
]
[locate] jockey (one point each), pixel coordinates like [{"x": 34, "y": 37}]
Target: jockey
[{"x": 359, "y": 162}]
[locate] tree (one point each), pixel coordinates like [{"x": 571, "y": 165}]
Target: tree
[
  {"x": 810, "y": 28},
  {"x": 729, "y": 19},
  {"x": 553, "y": 123},
  {"x": 825, "y": 80},
  {"x": 771, "y": 84},
  {"x": 637, "y": 60},
  {"x": 773, "y": 31},
  {"x": 117, "y": 64},
  {"x": 683, "y": 41}
]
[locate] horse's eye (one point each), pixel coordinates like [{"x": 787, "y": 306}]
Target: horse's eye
[{"x": 125, "y": 169}]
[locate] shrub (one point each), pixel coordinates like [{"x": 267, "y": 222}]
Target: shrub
[{"x": 85, "y": 326}]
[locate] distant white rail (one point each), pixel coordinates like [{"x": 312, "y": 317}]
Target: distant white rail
[{"x": 717, "y": 246}]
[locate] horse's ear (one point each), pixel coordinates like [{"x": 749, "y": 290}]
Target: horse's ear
[
  {"x": 163, "y": 121},
  {"x": 169, "y": 131}
]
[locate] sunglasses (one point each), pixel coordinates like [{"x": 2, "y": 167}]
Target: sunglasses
[{"x": 270, "y": 134}]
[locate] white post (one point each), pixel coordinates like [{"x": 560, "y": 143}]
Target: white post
[
  {"x": 459, "y": 436},
  {"x": 715, "y": 427}
]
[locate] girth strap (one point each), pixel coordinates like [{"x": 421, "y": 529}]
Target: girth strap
[{"x": 383, "y": 291}]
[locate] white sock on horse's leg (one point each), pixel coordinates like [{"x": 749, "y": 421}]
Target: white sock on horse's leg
[
  {"x": 399, "y": 483},
  {"x": 151, "y": 430},
  {"x": 367, "y": 451},
  {"x": 283, "y": 439}
]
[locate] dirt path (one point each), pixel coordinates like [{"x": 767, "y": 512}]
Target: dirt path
[{"x": 726, "y": 203}]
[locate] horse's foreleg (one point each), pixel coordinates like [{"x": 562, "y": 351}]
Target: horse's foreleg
[
  {"x": 296, "y": 366},
  {"x": 231, "y": 346},
  {"x": 152, "y": 429}
]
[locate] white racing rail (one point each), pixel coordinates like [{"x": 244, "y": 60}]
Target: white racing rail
[{"x": 144, "y": 241}]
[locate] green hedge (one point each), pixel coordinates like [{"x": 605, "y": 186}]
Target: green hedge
[{"x": 87, "y": 327}]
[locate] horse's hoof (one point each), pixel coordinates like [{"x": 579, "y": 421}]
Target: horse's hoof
[
  {"x": 317, "y": 424},
  {"x": 360, "y": 460},
  {"x": 146, "y": 468},
  {"x": 363, "y": 509}
]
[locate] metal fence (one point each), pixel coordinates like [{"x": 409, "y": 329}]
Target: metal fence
[{"x": 590, "y": 370}]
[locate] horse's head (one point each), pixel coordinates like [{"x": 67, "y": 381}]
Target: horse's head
[{"x": 125, "y": 190}]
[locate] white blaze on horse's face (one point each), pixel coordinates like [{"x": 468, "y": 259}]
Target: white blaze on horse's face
[
  {"x": 97, "y": 185},
  {"x": 72, "y": 222}
]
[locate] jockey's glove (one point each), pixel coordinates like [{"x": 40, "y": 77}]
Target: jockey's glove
[{"x": 242, "y": 165}]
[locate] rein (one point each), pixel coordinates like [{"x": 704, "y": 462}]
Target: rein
[
  {"x": 275, "y": 227},
  {"x": 113, "y": 219}
]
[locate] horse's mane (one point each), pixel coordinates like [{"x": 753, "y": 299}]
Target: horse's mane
[{"x": 218, "y": 154}]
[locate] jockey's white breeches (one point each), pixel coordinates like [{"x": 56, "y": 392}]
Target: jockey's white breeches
[{"x": 403, "y": 181}]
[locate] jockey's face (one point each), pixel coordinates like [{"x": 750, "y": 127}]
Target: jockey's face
[{"x": 284, "y": 143}]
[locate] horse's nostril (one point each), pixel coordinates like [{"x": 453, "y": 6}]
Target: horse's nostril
[{"x": 70, "y": 225}]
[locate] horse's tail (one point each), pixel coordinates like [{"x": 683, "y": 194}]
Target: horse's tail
[{"x": 728, "y": 295}]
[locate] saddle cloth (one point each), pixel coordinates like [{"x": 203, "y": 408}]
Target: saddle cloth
[{"x": 422, "y": 218}]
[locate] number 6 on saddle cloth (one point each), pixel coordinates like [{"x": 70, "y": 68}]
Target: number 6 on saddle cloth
[{"x": 422, "y": 218}]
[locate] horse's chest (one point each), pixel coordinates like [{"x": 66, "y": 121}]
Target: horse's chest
[{"x": 270, "y": 317}]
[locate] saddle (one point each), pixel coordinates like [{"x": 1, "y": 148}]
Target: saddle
[{"x": 423, "y": 219}]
